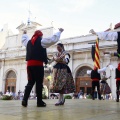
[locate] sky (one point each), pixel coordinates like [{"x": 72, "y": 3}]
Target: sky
[{"x": 77, "y": 17}]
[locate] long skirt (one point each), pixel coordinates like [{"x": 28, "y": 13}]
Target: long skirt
[
  {"x": 105, "y": 89},
  {"x": 63, "y": 80}
]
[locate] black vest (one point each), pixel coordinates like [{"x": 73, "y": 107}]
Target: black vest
[
  {"x": 117, "y": 73},
  {"x": 95, "y": 74},
  {"x": 36, "y": 51}
]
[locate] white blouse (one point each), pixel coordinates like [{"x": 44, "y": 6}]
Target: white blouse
[
  {"x": 67, "y": 58},
  {"x": 104, "y": 77}
]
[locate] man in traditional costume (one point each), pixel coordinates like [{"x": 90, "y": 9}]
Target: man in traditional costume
[
  {"x": 117, "y": 72},
  {"x": 95, "y": 76},
  {"x": 36, "y": 55},
  {"x": 109, "y": 36}
]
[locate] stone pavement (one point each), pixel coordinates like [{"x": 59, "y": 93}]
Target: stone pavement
[{"x": 72, "y": 110}]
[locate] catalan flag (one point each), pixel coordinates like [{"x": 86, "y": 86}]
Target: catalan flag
[{"x": 97, "y": 55}]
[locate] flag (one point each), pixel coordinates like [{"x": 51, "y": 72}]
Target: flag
[
  {"x": 93, "y": 52},
  {"x": 97, "y": 55}
]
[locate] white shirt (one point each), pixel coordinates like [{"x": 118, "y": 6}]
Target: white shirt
[
  {"x": 99, "y": 70},
  {"x": 113, "y": 36},
  {"x": 25, "y": 39},
  {"x": 45, "y": 42}
]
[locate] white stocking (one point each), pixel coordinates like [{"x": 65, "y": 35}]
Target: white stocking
[
  {"x": 59, "y": 100},
  {"x": 62, "y": 98}
]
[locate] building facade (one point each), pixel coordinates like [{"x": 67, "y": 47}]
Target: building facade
[{"x": 13, "y": 76}]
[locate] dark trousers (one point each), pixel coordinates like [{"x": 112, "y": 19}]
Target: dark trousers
[
  {"x": 117, "y": 88},
  {"x": 118, "y": 42},
  {"x": 96, "y": 84},
  {"x": 35, "y": 75}
]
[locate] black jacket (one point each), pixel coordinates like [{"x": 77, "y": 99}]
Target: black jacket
[
  {"x": 95, "y": 74},
  {"x": 36, "y": 51}
]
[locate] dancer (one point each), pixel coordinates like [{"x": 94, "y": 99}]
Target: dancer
[
  {"x": 117, "y": 72},
  {"x": 95, "y": 76},
  {"x": 35, "y": 56},
  {"x": 111, "y": 36},
  {"x": 63, "y": 80},
  {"x": 105, "y": 89}
]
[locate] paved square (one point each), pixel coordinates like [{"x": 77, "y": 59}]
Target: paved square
[{"x": 72, "y": 110}]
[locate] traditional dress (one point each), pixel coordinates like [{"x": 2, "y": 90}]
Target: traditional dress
[
  {"x": 35, "y": 56},
  {"x": 63, "y": 80},
  {"x": 105, "y": 89},
  {"x": 95, "y": 76}
]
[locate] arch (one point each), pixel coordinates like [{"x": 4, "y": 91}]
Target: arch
[
  {"x": 7, "y": 71},
  {"x": 10, "y": 81},
  {"x": 82, "y": 80},
  {"x": 81, "y": 72},
  {"x": 80, "y": 66},
  {"x": 11, "y": 74}
]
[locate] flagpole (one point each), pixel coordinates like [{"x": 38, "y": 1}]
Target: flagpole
[{"x": 97, "y": 55}]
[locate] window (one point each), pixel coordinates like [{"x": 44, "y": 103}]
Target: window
[
  {"x": 11, "y": 74},
  {"x": 83, "y": 71}
]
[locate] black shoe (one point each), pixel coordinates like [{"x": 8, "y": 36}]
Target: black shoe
[
  {"x": 117, "y": 100},
  {"x": 42, "y": 104},
  {"x": 24, "y": 103},
  {"x": 100, "y": 98}
]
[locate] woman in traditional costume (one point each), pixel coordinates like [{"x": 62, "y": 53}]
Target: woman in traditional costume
[
  {"x": 105, "y": 89},
  {"x": 63, "y": 80}
]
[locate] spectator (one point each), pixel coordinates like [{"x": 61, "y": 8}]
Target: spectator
[
  {"x": 80, "y": 94},
  {"x": 7, "y": 93}
]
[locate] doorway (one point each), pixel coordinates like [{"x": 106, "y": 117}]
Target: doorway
[
  {"x": 83, "y": 81},
  {"x": 10, "y": 84}
]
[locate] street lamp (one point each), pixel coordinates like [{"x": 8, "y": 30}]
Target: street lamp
[{"x": 86, "y": 83}]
